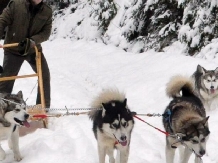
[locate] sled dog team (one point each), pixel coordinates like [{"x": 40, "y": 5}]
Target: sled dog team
[{"x": 184, "y": 118}]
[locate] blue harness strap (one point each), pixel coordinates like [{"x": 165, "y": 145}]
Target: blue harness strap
[{"x": 167, "y": 117}]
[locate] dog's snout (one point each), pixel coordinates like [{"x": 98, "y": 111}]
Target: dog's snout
[
  {"x": 202, "y": 152},
  {"x": 26, "y": 116},
  {"x": 123, "y": 138},
  {"x": 212, "y": 87}
]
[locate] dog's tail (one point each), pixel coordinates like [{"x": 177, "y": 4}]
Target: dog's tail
[
  {"x": 105, "y": 96},
  {"x": 180, "y": 84}
]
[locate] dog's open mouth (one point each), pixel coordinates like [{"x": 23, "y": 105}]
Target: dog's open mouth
[
  {"x": 123, "y": 143},
  {"x": 212, "y": 91},
  {"x": 22, "y": 123}
]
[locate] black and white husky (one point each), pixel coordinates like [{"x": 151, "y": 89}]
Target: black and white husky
[
  {"x": 185, "y": 119},
  {"x": 112, "y": 125},
  {"x": 12, "y": 115}
]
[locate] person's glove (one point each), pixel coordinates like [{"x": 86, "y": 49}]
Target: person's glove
[
  {"x": 1, "y": 69},
  {"x": 25, "y": 45}
]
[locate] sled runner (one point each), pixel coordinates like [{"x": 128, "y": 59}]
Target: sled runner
[{"x": 36, "y": 109}]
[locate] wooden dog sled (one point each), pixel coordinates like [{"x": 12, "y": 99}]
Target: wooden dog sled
[{"x": 37, "y": 109}]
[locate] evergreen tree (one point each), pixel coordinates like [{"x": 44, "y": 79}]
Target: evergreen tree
[
  {"x": 200, "y": 24},
  {"x": 156, "y": 23},
  {"x": 103, "y": 11}
]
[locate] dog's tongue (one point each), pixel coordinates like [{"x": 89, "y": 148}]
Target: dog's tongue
[
  {"x": 212, "y": 91},
  {"x": 26, "y": 124},
  {"x": 123, "y": 143}
]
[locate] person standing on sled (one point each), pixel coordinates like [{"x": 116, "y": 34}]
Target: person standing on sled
[{"x": 29, "y": 23}]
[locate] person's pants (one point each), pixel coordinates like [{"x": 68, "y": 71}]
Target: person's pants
[{"x": 11, "y": 66}]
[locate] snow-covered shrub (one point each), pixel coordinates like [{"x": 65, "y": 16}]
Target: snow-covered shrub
[
  {"x": 200, "y": 24},
  {"x": 83, "y": 19}
]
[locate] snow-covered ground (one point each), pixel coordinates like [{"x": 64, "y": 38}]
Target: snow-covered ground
[{"x": 79, "y": 71}]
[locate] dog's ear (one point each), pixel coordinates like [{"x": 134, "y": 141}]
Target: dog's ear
[
  {"x": 125, "y": 102},
  {"x": 20, "y": 94},
  {"x": 216, "y": 70},
  {"x": 104, "y": 106},
  {"x": 3, "y": 106},
  {"x": 201, "y": 70},
  {"x": 205, "y": 121}
]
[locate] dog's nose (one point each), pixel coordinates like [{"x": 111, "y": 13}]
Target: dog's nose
[
  {"x": 123, "y": 138},
  {"x": 26, "y": 116},
  {"x": 202, "y": 152},
  {"x": 212, "y": 87}
]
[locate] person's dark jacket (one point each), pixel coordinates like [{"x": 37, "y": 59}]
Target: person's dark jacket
[{"x": 17, "y": 17}]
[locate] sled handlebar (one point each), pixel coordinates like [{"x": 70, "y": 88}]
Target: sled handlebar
[{"x": 10, "y": 45}]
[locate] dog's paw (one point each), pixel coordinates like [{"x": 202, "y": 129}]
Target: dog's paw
[
  {"x": 17, "y": 157},
  {"x": 2, "y": 155}
]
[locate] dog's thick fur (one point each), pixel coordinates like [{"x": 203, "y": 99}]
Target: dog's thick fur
[
  {"x": 185, "y": 116},
  {"x": 12, "y": 115},
  {"x": 206, "y": 86},
  {"x": 112, "y": 125}
]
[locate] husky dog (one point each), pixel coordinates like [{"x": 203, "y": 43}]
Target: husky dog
[
  {"x": 12, "y": 114},
  {"x": 112, "y": 125},
  {"x": 185, "y": 120},
  {"x": 206, "y": 85}
]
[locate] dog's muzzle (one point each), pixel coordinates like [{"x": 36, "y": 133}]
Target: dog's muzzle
[
  {"x": 123, "y": 140},
  {"x": 23, "y": 123}
]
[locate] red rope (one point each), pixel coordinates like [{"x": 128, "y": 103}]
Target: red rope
[
  {"x": 40, "y": 116},
  {"x": 166, "y": 133}
]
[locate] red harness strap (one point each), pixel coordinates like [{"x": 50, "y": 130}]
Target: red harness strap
[{"x": 166, "y": 133}]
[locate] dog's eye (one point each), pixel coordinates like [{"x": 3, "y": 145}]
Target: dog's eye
[
  {"x": 17, "y": 110},
  {"x": 203, "y": 140},
  {"x": 114, "y": 125},
  {"x": 194, "y": 141},
  {"x": 124, "y": 124}
]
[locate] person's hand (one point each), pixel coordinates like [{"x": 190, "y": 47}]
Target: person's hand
[
  {"x": 1, "y": 46},
  {"x": 25, "y": 45}
]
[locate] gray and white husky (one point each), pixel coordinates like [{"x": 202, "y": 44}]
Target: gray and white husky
[
  {"x": 206, "y": 86},
  {"x": 185, "y": 119},
  {"x": 12, "y": 115},
  {"x": 112, "y": 125}
]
